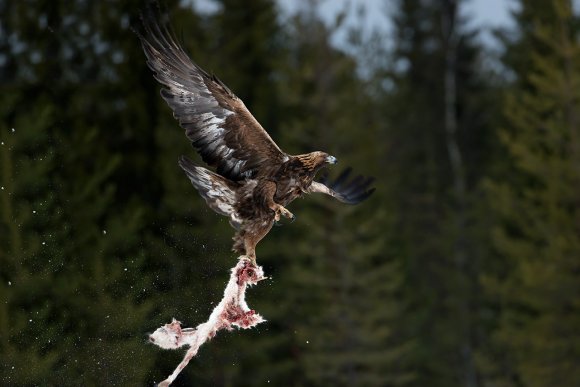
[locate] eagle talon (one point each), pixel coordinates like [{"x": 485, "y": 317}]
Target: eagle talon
[
  {"x": 283, "y": 211},
  {"x": 252, "y": 258}
]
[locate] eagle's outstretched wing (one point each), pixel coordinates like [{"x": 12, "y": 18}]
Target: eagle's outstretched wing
[
  {"x": 350, "y": 192},
  {"x": 219, "y": 125}
]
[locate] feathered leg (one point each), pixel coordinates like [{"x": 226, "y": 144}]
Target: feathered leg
[
  {"x": 249, "y": 235},
  {"x": 254, "y": 237},
  {"x": 257, "y": 220}
]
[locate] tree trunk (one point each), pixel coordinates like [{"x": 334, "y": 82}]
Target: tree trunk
[{"x": 451, "y": 41}]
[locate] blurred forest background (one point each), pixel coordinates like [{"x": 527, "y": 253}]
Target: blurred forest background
[{"x": 463, "y": 269}]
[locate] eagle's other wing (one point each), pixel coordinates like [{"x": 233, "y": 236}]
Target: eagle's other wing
[
  {"x": 350, "y": 192},
  {"x": 219, "y": 125}
]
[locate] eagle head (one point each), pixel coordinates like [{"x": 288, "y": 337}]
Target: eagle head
[{"x": 315, "y": 160}]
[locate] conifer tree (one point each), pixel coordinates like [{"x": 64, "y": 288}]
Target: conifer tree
[
  {"x": 87, "y": 287},
  {"x": 343, "y": 328},
  {"x": 249, "y": 32},
  {"x": 29, "y": 240},
  {"x": 536, "y": 287},
  {"x": 438, "y": 138}
]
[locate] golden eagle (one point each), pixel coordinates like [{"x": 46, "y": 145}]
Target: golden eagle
[{"x": 254, "y": 180}]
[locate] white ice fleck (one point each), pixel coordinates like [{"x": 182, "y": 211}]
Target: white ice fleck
[
  {"x": 9, "y": 283},
  {"x": 104, "y": 232},
  {"x": 125, "y": 269},
  {"x": 30, "y": 320},
  {"x": 13, "y": 130},
  {"x": 2, "y": 188},
  {"x": 43, "y": 243},
  {"x": 307, "y": 342},
  {"x": 2, "y": 143},
  {"x": 34, "y": 211}
]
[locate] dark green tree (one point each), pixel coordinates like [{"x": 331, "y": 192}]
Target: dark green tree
[
  {"x": 338, "y": 286},
  {"x": 249, "y": 32},
  {"x": 536, "y": 286},
  {"x": 28, "y": 246},
  {"x": 438, "y": 141},
  {"x": 79, "y": 267}
]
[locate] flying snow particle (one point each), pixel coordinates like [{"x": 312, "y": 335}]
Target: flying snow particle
[
  {"x": 9, "y": 283},
  {"x": 34, "y": 211},
  {"x": 125, "y": 269},
  {"x": 307, "y": 342},
  {"x": 104, "y": 232},
  {"x": 30, "y": 320},
  {"x": 2, "y": 188},
  {"x": 13, "y": 130}
]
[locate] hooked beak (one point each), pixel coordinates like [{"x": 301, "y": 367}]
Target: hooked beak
[{"x": 331, "y": 160}]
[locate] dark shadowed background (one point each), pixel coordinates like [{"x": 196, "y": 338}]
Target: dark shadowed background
[{"x": 463, "y": 269}]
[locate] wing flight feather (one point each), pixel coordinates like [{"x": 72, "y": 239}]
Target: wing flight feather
[
  {"x": 220, "y": 127},
  {"x": 350, "y": 192}
]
